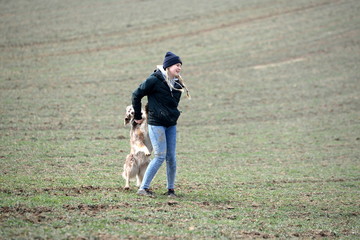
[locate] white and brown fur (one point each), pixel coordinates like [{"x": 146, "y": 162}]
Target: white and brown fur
[{"x": 140, "y": 148}]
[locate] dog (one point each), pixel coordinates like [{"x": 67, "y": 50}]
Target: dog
[{"x": 140, "y": 148}]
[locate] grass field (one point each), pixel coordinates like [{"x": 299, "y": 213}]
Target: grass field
[{"x": 268, "y": 147}]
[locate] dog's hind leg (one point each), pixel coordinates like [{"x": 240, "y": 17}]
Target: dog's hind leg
[
  {"x": 127, "y": 180},
  {"x": 127, "y": 184},
  {"x": 127, "y": 170}
]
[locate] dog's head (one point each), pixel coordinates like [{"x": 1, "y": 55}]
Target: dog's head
[
  {"x": 129, "y": 115},
  {"x": 130, "y": 112}
]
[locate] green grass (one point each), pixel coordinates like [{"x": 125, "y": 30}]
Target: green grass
[{"x": 268, "y": 147}]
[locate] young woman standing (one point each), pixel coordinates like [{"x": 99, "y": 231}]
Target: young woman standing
[{"x": 163, "y": 89}]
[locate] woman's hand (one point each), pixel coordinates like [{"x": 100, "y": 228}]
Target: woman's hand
[{"x": 139, "y": 121}]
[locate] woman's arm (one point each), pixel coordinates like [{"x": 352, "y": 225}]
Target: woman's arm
[{"x": 144, "y": 89}]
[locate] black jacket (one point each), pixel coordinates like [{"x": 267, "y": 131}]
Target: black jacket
[{"x": 162, "y": 103}]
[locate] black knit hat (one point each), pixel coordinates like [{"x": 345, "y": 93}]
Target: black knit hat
[{"x": 171, "y": 59}]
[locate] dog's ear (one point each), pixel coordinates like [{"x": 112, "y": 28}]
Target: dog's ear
[
  {"x": 128, "y": 113},
  {"x": 126, "y": 120}
]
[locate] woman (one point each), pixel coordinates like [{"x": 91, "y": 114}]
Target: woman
[{"x": 163, "y": 89}]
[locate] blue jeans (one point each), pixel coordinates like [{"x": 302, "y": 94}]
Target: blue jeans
[{"x": 163, "y": 140}]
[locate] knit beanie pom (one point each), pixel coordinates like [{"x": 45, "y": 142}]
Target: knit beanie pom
[{"x": 171, "y": 59}]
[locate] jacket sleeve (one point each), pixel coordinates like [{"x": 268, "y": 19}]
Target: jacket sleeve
[{"x": 144, "y": 89}]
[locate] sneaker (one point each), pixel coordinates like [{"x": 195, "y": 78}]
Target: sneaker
[
  {"x": 171, "y": 193},
  {"x": 145, "y": 192}
]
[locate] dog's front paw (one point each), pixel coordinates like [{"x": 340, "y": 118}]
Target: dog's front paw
[
  {"x": 147, "y": 152},
  {"x": 126, "y": 188}
]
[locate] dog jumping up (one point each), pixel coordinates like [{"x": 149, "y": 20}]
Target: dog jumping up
[{"x": 140, "y": 148}]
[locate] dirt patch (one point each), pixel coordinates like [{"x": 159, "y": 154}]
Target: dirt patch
[
  {"x": 38, "y": 215},
  {"x": 67, "y": 191},
  {"x": 33, "y": 215},
  {"x": 316, "y": 234},
  {"x": 224, "y": 206},
  {"x": 255, "y": 234},
  {"x": 24, "y": 210},
  {"x": 94, "y": 208}
]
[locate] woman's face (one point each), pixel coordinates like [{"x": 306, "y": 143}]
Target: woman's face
[{"x": 175, "y": 70}]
